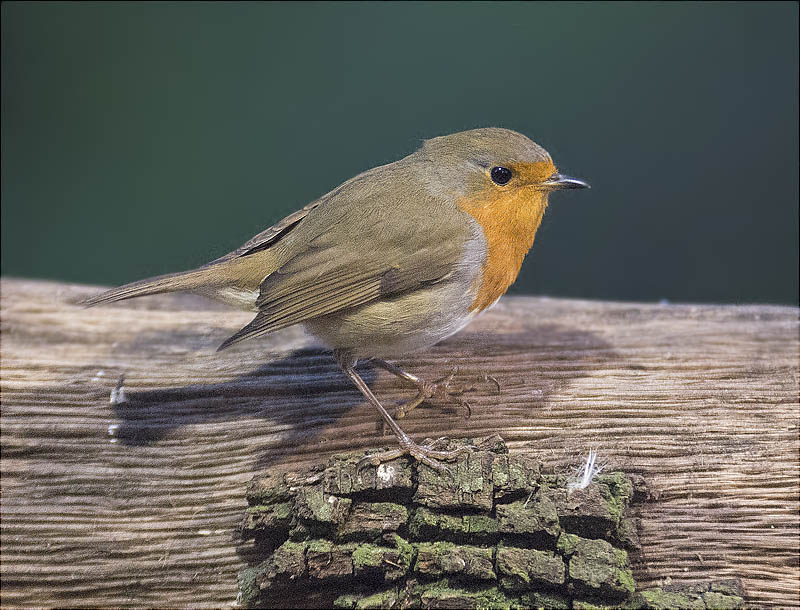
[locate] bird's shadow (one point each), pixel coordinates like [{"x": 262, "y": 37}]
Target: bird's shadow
[
  {"x": 306, "y": 376},
  {"x": 304, "y": 392}
]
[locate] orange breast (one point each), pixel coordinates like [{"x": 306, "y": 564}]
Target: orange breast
[{"x": 509, "y": 218}]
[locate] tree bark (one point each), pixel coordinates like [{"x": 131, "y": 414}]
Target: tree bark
[{"x": 486, "y": 530}]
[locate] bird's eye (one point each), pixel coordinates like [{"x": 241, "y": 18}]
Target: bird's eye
[{"x": 501, "y": 175}]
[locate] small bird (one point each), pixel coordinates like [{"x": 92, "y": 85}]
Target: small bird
[{"x": 393, "y": 260}]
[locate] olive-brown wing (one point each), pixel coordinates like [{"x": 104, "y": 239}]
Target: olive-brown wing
[{"x": 338, "y": 272}]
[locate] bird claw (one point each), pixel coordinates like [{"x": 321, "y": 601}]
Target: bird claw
[
  {"x": 442, "y": 390},
  {"x": 431, "y": 455}
]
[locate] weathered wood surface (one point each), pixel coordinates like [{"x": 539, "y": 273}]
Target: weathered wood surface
[{"x": 137, "y": 503}]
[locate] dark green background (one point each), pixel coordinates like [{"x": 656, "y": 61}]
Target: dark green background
[{"x": 145, "y": 138}]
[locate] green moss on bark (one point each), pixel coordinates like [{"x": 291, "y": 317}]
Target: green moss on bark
[
  {"x": 467, "y": 485},
  {"x": 522, "y": 569},
  {"x": 436, "y": 559},
  {"x": 597, "y": 568},
  {"x": 427, "y": 524},
  {"x": 535, "y": 520},
  {"x": 370, "y": 520},
  {"x": 383, "y": 563},
  {"x": 720, "y": 601},
  {"x": 657, "y": 599}
]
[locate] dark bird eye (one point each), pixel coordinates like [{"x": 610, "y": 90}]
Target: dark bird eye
[{"x": 501, "y": 175}]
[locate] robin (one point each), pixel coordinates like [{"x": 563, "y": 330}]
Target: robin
[{"x": 391, "y": 261}]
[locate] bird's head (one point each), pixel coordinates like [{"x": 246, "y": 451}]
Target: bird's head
[
  {"x": 493, "y": 165},
  {"x": 502, "y": 179}
]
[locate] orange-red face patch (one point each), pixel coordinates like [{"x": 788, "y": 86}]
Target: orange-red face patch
[{"x": 509, "y": 216}]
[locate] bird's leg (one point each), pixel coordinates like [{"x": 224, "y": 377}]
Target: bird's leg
[
  {"x": 422, "y": 453},
  {"x": 439, "y": 389},
  {"x": 424, "y": 389}
]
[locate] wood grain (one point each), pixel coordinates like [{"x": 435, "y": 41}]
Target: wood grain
[{"x": 137, "y": 503}]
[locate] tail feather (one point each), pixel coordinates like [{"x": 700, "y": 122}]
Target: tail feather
[{"x": 185, "y": 280}]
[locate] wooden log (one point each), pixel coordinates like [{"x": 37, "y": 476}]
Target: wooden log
[{"x": 137, "y": 502}]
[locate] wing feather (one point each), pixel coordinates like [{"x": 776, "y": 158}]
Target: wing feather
[
  {"x": 341, "y": 289},
  {"x": 372, "y": 239},
  {"x": 271, "y": 319}
]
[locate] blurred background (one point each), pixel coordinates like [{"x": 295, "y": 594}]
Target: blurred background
[{"x": 144, "y": 138}]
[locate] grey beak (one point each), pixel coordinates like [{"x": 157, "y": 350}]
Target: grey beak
[{"x": 560, "y": 181}]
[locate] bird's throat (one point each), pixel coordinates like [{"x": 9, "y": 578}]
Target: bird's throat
[{"x": 509, "y": 222}]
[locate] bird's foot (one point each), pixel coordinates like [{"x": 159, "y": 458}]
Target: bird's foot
[
  {"x": 431, "y": 455},
  {"x": 443, "y": 390}
]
